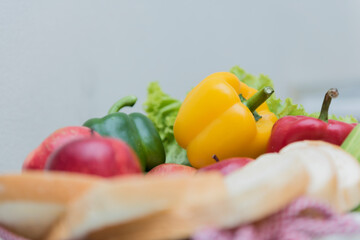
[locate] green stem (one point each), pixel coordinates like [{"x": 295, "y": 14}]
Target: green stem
[
  {"x": 128, "y": 101},
  {"x": 330, "y": 94},
  {"x": 259, "y": 98}
]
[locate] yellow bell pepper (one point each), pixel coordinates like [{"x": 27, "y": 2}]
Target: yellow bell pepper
[{"x": 213, "y": 120}]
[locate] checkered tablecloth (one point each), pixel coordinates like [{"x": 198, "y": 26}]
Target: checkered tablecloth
[{"x": 293, "y": 223}]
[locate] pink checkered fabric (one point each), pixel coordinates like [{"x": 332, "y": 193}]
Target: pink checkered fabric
[
  {"x": 289, "y": 224},
  {"x": 6, "y": 235}
]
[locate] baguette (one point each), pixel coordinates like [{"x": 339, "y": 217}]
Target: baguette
[
  {"x": 150, "y": 208},
  {"x": 31, "y": 202}
]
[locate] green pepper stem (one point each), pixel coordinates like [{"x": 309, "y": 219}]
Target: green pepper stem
[
  {"x": 330, "y": 94},
  {"x": 128, "y": 101},
  {"x": 258, "y": 98}
]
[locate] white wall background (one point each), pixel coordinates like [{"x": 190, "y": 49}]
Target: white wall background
[{"x": 62, "y": 62}]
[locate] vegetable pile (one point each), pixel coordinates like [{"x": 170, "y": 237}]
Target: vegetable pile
[
  {"x": 228, "y": 120},
  {"x": 240, "y": 155},
  {"x": 162, "y": 109},
  {"x": 227, "y": 115}
]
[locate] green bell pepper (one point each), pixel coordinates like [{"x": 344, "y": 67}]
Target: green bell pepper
[{"x": 135, "y": 129}]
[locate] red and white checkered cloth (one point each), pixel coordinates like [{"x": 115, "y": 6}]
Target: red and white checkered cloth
[{"x": 291, "y": 223}]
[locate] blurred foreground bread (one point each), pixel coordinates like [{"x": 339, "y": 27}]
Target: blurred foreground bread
[
  {"x": 322, "y": 172},
  {"x": 160, "y": 208},
  {"x": 174, "y": 208},
  {"x": 338, "y": 183},
  {"x": 264, "y": 187},
  {"x": 31, "y": 202},
  {"x": 150, "y": 207}
]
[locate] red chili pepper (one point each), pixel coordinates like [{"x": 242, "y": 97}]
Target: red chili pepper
[{"x": 297, "y": 128}]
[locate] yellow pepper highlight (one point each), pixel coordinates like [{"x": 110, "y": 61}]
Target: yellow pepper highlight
[{"x": 212, "y": 121}]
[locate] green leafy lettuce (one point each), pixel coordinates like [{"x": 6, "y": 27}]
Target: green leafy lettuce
[
  {"x": 347, "y": 119},
  {"x": 162, "y": 110},
  {"x": 279, "y": 107}
]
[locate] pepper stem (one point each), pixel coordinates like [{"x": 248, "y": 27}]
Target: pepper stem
[
  {"x": 330, "y": 94},
  {"x": 258, "y": 98},
  {"x": 216, "y": 158},
  {"x": 128, "y": 101},
  {"x": 92, "y": 132}
]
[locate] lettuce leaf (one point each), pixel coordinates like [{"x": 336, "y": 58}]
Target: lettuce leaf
[
  {"x": 347, "y": 119},
  {"x": 280, "y": 107},
  {"x": 162, "y": 110}
]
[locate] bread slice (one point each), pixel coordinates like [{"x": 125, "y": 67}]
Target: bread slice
[
  {"x": 150, "y": 207},
  {"x": 31, "y": 202},
  {"x": 347, "y": 173},
  {"x": 263, "y": 187},
  {"x": 322, "y": 172}
]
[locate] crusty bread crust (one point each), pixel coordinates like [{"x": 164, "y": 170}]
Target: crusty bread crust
[
  {"x": 145, "y": 208},
  {"x": 31, "y": 202}
]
